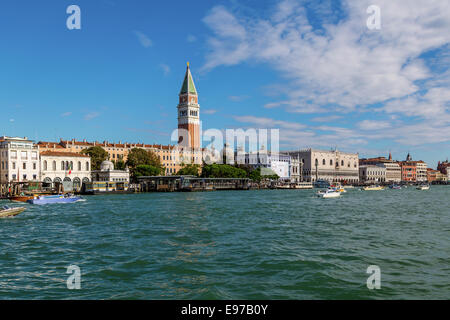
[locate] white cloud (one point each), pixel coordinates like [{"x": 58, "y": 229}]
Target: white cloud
[
  {"x": 143, "y": 39},
  {"x": 66, "y": 114},
  {"x": 209, "y": 111},
  {"x": 165, "y": 68},
  {"x": 373, "y": 125},
  {"x": 336, "y": 65},
  {"x": 345, "y": 64},
  {"x": 91, "y": 115},
  {"x": 269, "y": 123},
  {"x": 191, "y": 38}
]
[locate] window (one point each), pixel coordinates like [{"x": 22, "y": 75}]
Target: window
[
  {"x": 34, "y": 177},
  {"x": 24, "y": 177},
  {"x": 87, "y": 166},
  {"x": 79, "y": 165},
  {"x": 331, "y": 162},
  {"x": 323, "y": 161},
  {"x": 342, "y": 162},
  {"x": 23, "y": 155},
  {"x": 54, "y": 165},
  {"x": 34, "y": 155},
  {"x": 34, "y": 165},
  {"x": 62, "y": 165},
  {"x": 24, "y": 165},
  {"x": 45, "y": 165}
]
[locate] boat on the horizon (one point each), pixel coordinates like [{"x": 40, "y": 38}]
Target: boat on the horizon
[
  {"x": 54, "y": 199},
  {"x": 329, "y": 193},
  {"x": 423, "y": 187},
  {"x": 395, "y": 186},
  {"x": 11, "y": 212},
  {"x": 373, "y": 188}
]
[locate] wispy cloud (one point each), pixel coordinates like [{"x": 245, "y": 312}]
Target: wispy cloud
[
  {"x": 191, "y": 38},
  {"x": 165, "y": 68},
  {"x": 91, "y": 115},
  {"x": 143, "y": 39},
  {"x": 209, "y": 111},
  {"x": 334, "y": 64},
  {"x": 326, "y": 118},
  {"x": 66, "y": 114},
  {"x": 238, "y": 98}
]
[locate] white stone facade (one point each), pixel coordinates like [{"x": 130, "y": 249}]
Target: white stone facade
[
  {"x": 393, "y": 171},
  {"x": 70, "y": 169},
  {"x": 19, "y": 160},
  {"x": 278, "y": 163},
  {"x": 372, "y": 174},
  {"x": 332, "y": 166}
]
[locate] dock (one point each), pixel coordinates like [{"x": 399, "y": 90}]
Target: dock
[{"x": 191, "y": 183}]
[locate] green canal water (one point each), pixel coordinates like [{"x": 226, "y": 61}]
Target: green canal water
[{"x": 266, "y": 244}]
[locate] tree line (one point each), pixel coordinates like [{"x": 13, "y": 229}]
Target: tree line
[{"x": 146, "y": 163}]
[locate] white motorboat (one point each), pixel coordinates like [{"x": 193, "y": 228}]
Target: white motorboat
[
  {"x": 423, "y": 187},
  {"x": 329, "y": 193},
  {"x": 10, "y": 212}
]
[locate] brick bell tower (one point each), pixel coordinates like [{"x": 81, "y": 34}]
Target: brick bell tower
[{"x": 189, "y": 112}]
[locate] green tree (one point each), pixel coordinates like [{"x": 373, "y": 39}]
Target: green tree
[
  {"x": 145, "y": 170},
  {"x": 138, "y": 156},
  {"x": 97, "y": 154},
  {"x": 222, "y": 171},
  {"x": 119, "y": 165},
  {"x": 189, "y": 170}
]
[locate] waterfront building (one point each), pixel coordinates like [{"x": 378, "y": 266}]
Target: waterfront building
[
  {"x": 444, "y": 168},
  {"x": 332, "y": 166},
  {"x": 393, "y": 169},
  {"x": 413, "y": 171},
  {"x": 19, "y": 160},
  {"x": 109, "y": 174},
  {"x": 295, "y": 170},
  {"x": 409, "y": 173},
  {"x": 279, "y": 164},
  {"x": 69, "y": 169},
  {"x": 372, "y": 174},
  {"x": 421, "y": 169},
  {"x": 436, "y": 176}
]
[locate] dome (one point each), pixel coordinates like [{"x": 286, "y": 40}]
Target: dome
[{"x": 106, "y": 165}]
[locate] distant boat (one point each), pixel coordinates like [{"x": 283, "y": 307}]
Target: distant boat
[
  {"x": 54, "y": 199},
  {"x": 11, "y": 212},
  {"x": 373, "y": 188},
  {"x": 395, "y": 186},
  {"x": 423, "y": 187},
  {"x": 302, "y": 185},
  {"x": 21, "y": 198},
  {"x": 329, "y": 193}
]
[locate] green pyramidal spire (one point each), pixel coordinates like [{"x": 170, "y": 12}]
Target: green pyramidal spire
[{"x": 188, "y": 83}]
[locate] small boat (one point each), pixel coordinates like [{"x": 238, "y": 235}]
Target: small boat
[
  {"x": 373, "y": 188},
  {"x": 302, "y": 185},
  {"x": 395, "y": 187},
  {"x": 423, "y": 187},
  {"x": 54, "y": 199},
  {"x": 283, "y": 186},
  {"x": 329, "y": 193},
  {"x": 11, "y": 212},
  {"x": 21, "y": 198}
]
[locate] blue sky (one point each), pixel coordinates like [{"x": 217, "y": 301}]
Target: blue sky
[{"x": 312, "y": 69}]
